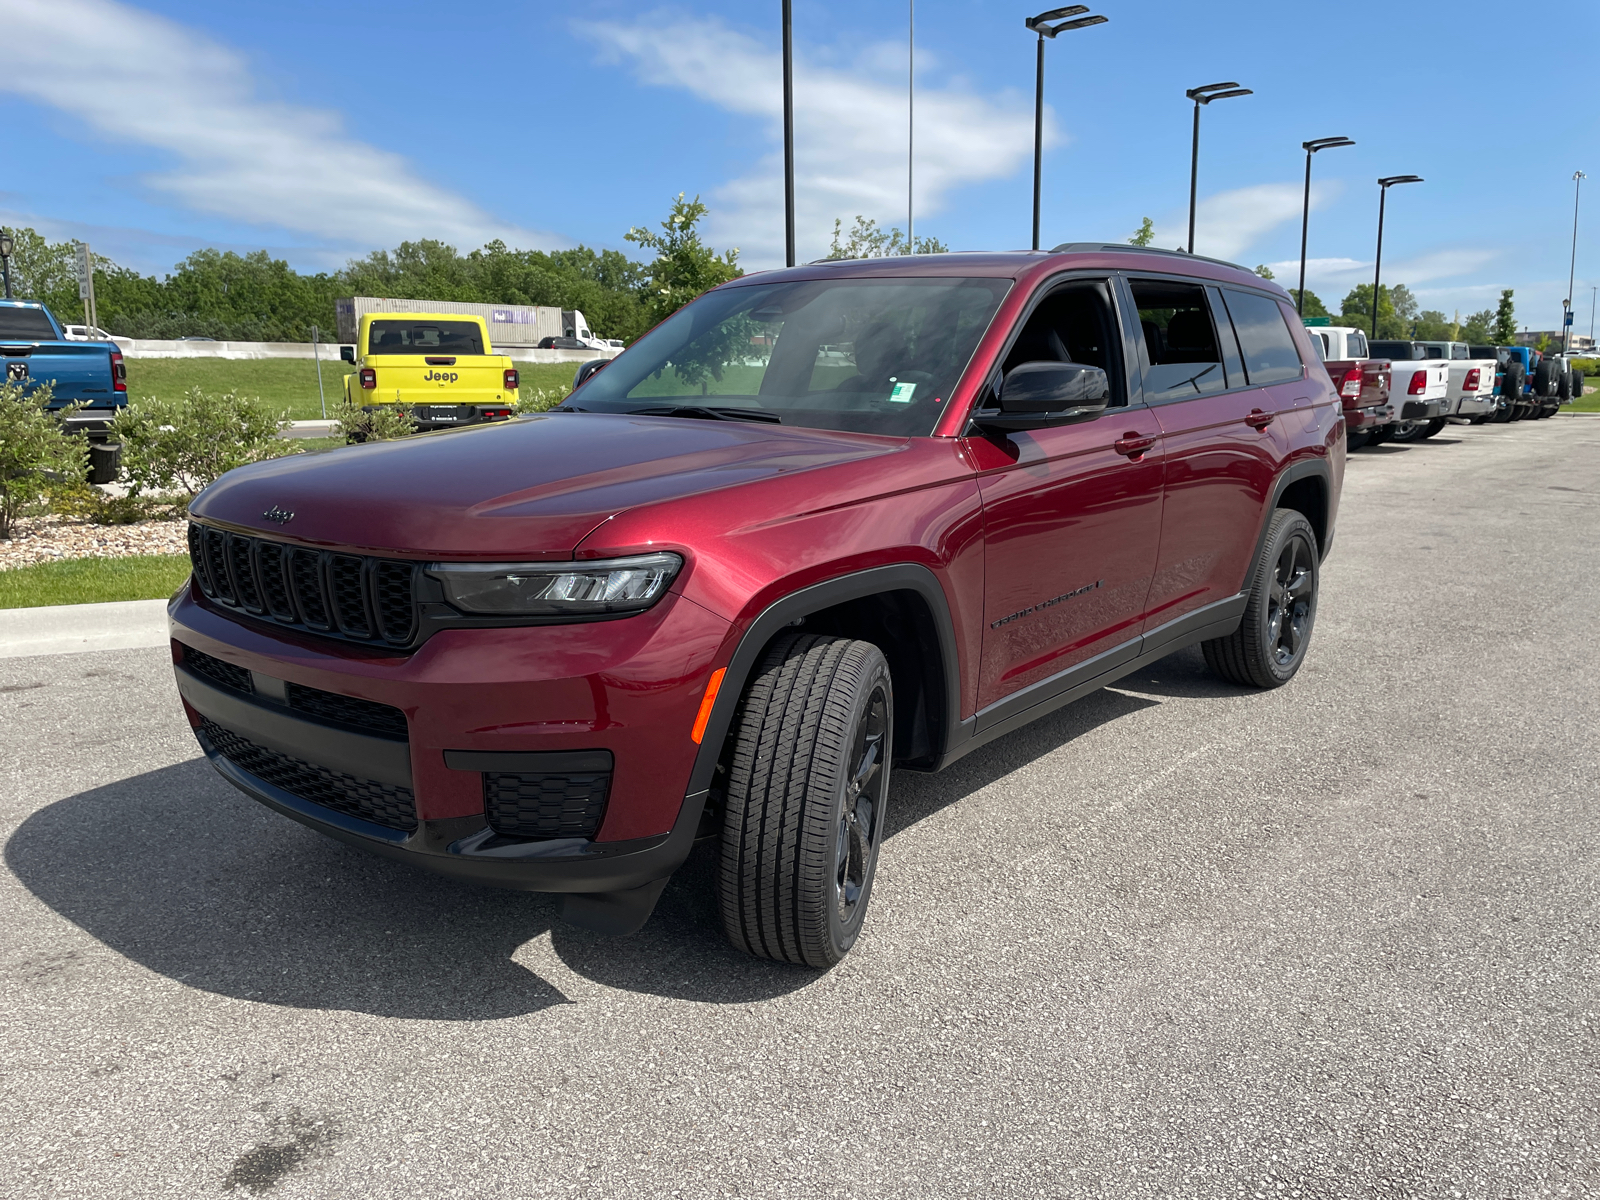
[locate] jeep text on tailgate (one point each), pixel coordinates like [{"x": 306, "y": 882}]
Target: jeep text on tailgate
[{"x": 820, "y": 524}]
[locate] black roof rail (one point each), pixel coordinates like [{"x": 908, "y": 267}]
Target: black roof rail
[{"x": 1084, "y": 247}]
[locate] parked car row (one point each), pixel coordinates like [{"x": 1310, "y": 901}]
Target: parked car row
[{"x": 1405, "y": 391}]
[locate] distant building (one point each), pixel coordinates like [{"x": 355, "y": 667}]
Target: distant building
[
  {"x": 1579, "y": 343},
  {"x": 510, "y": 325}
]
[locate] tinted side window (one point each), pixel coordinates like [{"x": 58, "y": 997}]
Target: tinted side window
[
  {"x": 1269, "y": 352},
  {"x": 1179, "y": 341},
  {"x": 1075, "y": 324},
  {"x": 26, "y": 325},
  {"x": 1358, "y": 344}
]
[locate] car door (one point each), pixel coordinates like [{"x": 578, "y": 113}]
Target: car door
[
  {"x": 1223, "y": 445},
  {"x": 1071, "y": 516}
]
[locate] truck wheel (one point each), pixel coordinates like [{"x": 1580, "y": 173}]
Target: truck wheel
[
  {"x": 1408, "y": 431},
  {"x": 1432, "y": 427},
  {"x": 808, "y": 776},
  {"x": 1564, "y": 386},
  {"x": 1378, "y": 435},
  {"x": 1354, "y": 441},
  {"x": 1270, "y": 643}
]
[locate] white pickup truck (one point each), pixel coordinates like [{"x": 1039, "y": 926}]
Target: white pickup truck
[
  {"x": 1419, "y": 389},
  {"x": 1471, "y": 394}
]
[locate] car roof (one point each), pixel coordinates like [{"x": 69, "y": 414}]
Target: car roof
[{"x": 1019, "y": 264}]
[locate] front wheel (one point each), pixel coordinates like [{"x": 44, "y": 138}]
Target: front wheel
[
  {"x": 808, "y": 778},
  {"x": 1270, "y": 644}
]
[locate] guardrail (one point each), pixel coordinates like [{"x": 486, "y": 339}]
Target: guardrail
[{"x": 327, "y": 351}]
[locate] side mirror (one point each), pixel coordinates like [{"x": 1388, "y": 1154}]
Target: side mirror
[
  {"x": 1038, "y": 395},
  {"x": 586, "y": 370},
  {"x": 348, "y": 353}
]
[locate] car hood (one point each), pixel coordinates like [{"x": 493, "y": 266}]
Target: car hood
[{"x": 530, "y": 488}]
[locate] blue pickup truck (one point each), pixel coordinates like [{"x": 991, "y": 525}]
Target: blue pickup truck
[{"x": 90, "y": 374}]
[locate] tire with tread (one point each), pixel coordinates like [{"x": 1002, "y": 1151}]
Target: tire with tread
[
  {"x": 795, "y": 786},
  {"x": 1432, "y": 427},
  {"x": 1252, "y": 655}
]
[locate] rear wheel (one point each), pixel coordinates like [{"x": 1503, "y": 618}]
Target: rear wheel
[
  {"x": 1354, "y": 441},
  {"x": 1270, "y": 643},
  {"x": 1433, "y": 427},
  {"x": 807, "y": 781},
  {"x": 1380, "y": 435},
  {"x": 1408, "y": 431}
]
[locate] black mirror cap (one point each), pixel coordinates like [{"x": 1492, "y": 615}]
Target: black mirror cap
[
  {"x": 1050, "y": 387},
  {"x": 347, "y": 353},
  {"x": 593, "y": 367}
]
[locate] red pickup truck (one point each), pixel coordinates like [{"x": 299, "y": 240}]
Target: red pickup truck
[
  {"x": 1362, "y": 383},
  {"x": 819, "y": 525}
]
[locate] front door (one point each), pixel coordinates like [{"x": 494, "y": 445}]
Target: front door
[
  {"x": 1222, "y": 433},
  {"x": 1072, "y": 519}
]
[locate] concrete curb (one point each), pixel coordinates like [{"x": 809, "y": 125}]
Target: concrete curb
[{"x": 77, "y": 628}]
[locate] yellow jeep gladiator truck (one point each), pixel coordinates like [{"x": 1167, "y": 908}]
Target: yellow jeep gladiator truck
[{"x": 438, "y": 368}]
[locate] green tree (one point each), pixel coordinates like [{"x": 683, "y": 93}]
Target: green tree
[
  {"x": 34, "y": 452},
  {"x": 1145, "y": 234},
  {"x": 1505, "y": 320},
  {"x": 1264, "y": 271},
  {"x": 1543, "y": 344},
  {"x": 1431, "y": 326},
  {"x": 1356, "y": 310},
  {"x": 1313, "y": 306},
  {"x": 684, "y": 267},
  {"x": 1479, "y": 327},
  {"x": 866, "y": 240}
]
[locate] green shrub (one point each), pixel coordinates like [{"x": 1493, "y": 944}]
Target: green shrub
[
  {"x": 185, "y": 444},
  {"x": 380, "y": 423},
  {"x": 538, "y": 400},
  {"x": 1589, "y": 366},
  {"x": 34, "y": 452}
]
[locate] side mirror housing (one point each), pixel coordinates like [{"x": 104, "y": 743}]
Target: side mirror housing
[
  {"x": 1038, "y": 395},
  {"x": 348, "y": 353}
]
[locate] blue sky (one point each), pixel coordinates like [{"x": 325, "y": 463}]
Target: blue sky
[{"x": 321, "y": 131}]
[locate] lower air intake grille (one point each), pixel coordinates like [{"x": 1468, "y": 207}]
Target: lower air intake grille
[
  {"x": 347, "y": 596},
  {"x": 545, "y": 806},
  {"x": 381, "y": 803},
  {"x": 348, "y": 710},
  {"x": 214, "y": 669}
]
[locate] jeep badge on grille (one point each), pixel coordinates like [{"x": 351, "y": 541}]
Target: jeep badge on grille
[{"x": 279, "y": 515}]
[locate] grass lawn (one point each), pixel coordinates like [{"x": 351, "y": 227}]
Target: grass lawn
[
  {"x": 284, "y": 383},
  {"x": 93, "y": 580},
  {"x": 1590, "y": 401}
]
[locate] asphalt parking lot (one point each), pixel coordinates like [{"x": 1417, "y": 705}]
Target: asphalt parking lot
[{"x": 1336, "y": 940}]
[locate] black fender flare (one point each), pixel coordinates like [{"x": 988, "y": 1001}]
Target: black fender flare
[
  {"x": 899, "y": 577},
  {"x": 1316, "y": 468}
]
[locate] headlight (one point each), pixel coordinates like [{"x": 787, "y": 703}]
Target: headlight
[{"x": 614, "y": 585}]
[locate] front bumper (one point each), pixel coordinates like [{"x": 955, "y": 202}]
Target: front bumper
[
  {"x": 453, "y": 416},
  {"x": 475, "y": 702}
]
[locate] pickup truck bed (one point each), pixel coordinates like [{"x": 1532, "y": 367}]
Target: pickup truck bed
[{"x": 92, "y": 374}]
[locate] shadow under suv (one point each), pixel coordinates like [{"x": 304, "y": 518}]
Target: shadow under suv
[{"x": 820, "y": 524}]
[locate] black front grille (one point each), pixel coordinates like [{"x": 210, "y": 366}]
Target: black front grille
[
  {"x": 545, "y": 806},
  {"x": 214, "y": 669},
  {"x": 385, "y": 804},
  {"x": 359, "y": 599},
  {"x": 348, "y": 710}
]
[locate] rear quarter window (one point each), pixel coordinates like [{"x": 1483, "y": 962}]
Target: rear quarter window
[
  {"x": 25, "y": 325},
  {"x": 425, "y": 337},
  {"x": 1269, "y": 351}
]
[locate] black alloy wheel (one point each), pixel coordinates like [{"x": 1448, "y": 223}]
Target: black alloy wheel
[
  {"x": 1270, "y": 644},
  {"x": 808, "y": 764}
]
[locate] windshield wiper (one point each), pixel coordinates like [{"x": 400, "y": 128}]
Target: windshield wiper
[{"x": 701, "y": 412}]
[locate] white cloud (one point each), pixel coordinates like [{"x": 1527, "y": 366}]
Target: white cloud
[
  {"x": 1227, "y": 224},
  {"x": 850, "y": 130},
  {"x": 1339, "y": 275},
  {"x": 141, "y": 78}
]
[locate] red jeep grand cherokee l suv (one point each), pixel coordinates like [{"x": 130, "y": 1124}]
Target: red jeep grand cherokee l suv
[{"x": 819, "y": 523}]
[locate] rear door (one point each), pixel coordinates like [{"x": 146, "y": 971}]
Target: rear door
[
  {"x": 1223, "y": 444},
  {"x": 1072, "y": 516}
]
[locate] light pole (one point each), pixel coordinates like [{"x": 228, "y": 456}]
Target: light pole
[
  {"x": 1204, "y": 95},
  {"x": 1567, "y": 306},
  {"x": 788, "y": 132},
  {"x": 1384, "y": 185},
  {"x": 6, "y": 246},
  {"x": 1040, "y": 25},
  {"x": 1311, "y": 147},
  {"x": 911, "y": 125}
]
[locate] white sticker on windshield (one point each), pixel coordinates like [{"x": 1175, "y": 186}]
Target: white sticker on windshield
[{"x": 902, "y": 393}]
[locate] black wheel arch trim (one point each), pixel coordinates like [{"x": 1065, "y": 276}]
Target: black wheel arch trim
[
  {"x": 858, "y": 585},
  {"x": 1294, "y": 473}
]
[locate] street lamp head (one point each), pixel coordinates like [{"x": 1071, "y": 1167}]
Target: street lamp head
[
  {"x": 1327, "y": 143},
  {"x": 1216, "y": 91},
  {"x": 1577, "y": 175},
  {"x": 1389, "y": 181},
  {"x": 6, "y": 245},
  {"x": 1039, "y": 24},
  {"x": 1080, "y": 23},
  {"x": 1196, "y": 93}
]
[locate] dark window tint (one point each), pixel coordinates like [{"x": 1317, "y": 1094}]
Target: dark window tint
[
  {"x": 1179, "y": 341},
  {"x": 1074, "y": 324},
  {"x": 1268, "y": 346},
  {"x": 1356, "y": 344},
  {"x": 425, "y": 337},
  {"x": 1458, "y": 352},
  {"x": 25, "y": 325},
  {"x": 1484, "y": 352},
  {"x": 1399, "y": 351}
]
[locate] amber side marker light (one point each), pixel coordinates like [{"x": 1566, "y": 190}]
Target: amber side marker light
[{"x": 703, "y": 717}]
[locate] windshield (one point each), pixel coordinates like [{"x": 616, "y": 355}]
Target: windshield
[
  {"x": 425, "y": 337},
  {"x": 864, "y": 355},
  {"x": 26, "y": 325}
]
